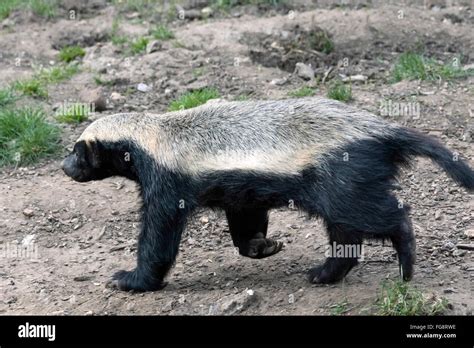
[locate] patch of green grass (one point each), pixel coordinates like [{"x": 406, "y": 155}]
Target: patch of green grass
[
  {"x": 399, "y": 298},
  {"x": 139, "y": 45},
  {"x": 43, "y": 8},
  {"x": 7, "y": 6},
  {"x": 414, "y": 66},
  {"x": 193, "y": 99},
  {"x": 119, "y": 40},
  {"x": 36, "y": 86},
  {"x": 339, "y": 308},
  {"x": 6, "y": 97},
  {"x": 115, "y": 37},
  {"x": 26, "y": 136},
  {"x": 339, "y": 91},
  {"x": 228, "y": 4},
  {"x": 32, "y": 87},
  {"x": 69, "y": 53},
  {"x": 58, "y": 73},
  {"x": 302, "y": 92},
  {"x": 320, "y": 41},
  {"x": 161, "y": 32},
  {"x": 134, "y": 5},
  {"x": 75, "y": 113}
]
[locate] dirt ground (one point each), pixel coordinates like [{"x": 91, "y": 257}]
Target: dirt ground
[{"x": 83, "y": 233}]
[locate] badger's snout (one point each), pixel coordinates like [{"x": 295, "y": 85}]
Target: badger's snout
[
  {"x": 71, "y": 168},
  {"x": 68, "y": 165}
]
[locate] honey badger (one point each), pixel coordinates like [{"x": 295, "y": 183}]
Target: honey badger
[{"x": 324, "y": 157}]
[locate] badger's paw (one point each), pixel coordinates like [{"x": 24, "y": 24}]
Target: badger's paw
[
  {"x": 261, "y": 248},
  {"x": 132, "y": 281},
  {"x": 333, "y": 270},
  {"x": 320, "y": 275}
]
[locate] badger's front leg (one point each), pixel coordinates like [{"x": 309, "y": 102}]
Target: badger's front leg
[{"x": 163, "y": 221}]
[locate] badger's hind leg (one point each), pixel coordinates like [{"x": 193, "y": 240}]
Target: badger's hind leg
[
  {"x": 345, "y": 247},
  {"x": 248, "y": 228}
]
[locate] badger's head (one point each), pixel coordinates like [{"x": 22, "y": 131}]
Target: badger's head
[{"x": 94, "y": 157}]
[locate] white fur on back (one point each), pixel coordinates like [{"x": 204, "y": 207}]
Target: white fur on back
[{"x": 281, "y": 136}]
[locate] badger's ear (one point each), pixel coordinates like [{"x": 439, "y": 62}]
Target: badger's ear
[{"x": 93, "y": 153}]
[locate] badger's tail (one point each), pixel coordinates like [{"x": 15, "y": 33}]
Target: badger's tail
[{"x": 409, "y": 142}]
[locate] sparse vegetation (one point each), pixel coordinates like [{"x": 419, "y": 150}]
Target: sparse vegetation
[
  {"x": 339, "y": 308},
  {"x": 42, "y": 8},
  {"x": 227, "y": 4},
  {"x": 414, "y": 66},
  {"x": 36, "y": 86},
  {"x": 339, "y": 91},
  {"x": 69, "y": 53},
  {"x": 6, "y": 6},
  {"x": 32, "y": 87},
  {"x": 161, "y": 32},
  {"x": 58, "y": 73},
  {"x": 115, "y": 37},
  {"x": 139, "y": 45},
  {"x": 399, "y": 298},
  {"x": 302, "y": 92},
  {"x": 75, "y": 113},
  {"x": 6, "y": 97},
  {"x": 26, "y": 136},
  {"x": 193, "y": 99},
  {"x": 320, "y": 41}
]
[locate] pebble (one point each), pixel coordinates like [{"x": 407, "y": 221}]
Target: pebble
[
  {"x": 143, "y": 87},
  {"x": 304, "y": 71},
  {"x": 28, "y": 212}
]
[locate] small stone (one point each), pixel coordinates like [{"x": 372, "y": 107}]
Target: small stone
[
  {"x": 207, "y": 11},
  {"x": 278, "y": 82},
  {"x": 458, "y": 252},
  {"x": 437, "y": 215},
  {"x": 153, "y": 46},
  {"x": 115, "y": 96},
  {"x": 83, "y": 278},
  {"x": 469, "y": 233},
  {"x": 354, "y": 78},
  {"x": 28, "y": 212},
  {"x": 143, "y": 87},
  {"x": 233, "y": 304},
  {"x": 448, "y": 245},
  {"x": 304, "y": 71},
  {"x": 168, "y": 306}
]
